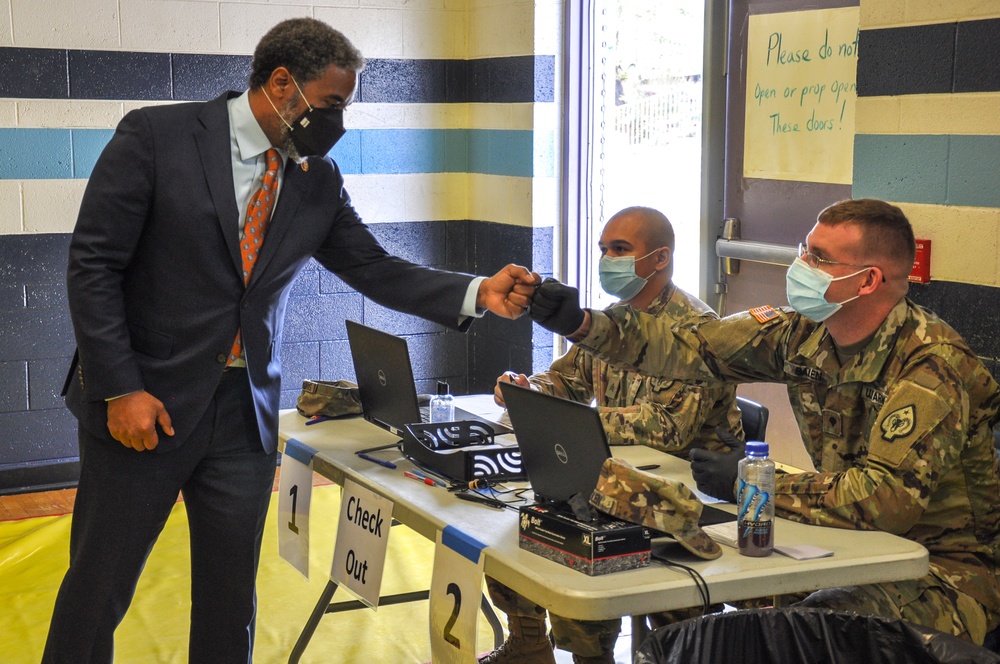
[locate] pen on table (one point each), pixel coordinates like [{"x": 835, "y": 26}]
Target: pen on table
[
  {"x": 428, "y": 478},
  {"x": 413, "y": 476},
  {"x": 315, "y": 419},
  {"x": 381, "y": 462},
  {"x": 651, "y": 466},
  {"x": 475, "y": 498}
]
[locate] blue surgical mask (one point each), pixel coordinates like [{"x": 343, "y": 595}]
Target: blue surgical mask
[
  {"x": 618, "y": 275},
  {"x": 806, "y": 288}
]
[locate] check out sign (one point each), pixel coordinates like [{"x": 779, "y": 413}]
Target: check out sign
[{"x": 362, "y": 540}]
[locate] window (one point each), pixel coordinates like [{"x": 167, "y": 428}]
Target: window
[{"x": 634, "y": 122}]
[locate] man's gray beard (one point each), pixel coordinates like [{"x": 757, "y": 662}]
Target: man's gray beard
[
  {"x": 289, "y": 146},
  {"x": 286, "y": 136}
]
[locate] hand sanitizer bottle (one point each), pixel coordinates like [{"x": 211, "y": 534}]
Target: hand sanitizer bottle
[{"x": 442, "y": 404}]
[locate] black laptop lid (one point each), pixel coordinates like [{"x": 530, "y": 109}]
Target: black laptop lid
[
  {"x": 385, "y": 377},
  {"x": 563, "y": 444}
]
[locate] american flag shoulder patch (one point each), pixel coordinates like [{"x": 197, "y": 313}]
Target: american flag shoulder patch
[{"x": 764, "y": 314}]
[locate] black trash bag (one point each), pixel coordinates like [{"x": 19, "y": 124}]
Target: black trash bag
[{"x": 804, "y": 636}]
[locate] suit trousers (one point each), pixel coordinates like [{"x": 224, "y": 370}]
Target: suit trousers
[{"x": 123, "y": 501}]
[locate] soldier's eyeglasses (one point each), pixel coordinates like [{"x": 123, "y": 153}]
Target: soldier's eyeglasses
[{"x": 812, "y": 260}]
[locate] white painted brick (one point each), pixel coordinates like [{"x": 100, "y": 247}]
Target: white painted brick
[
  {"x": 6, "y": 34},
  {"x": 405, "y": 4},
  {"x": 8, "y": 113},
  {"x": 437, "y": 116},
  {"x": 436, "y": 196},
  {"x": 521, "y": 201},
  {"x": 378, "y": 198},
  {"x": 490, "y": 116},
  {"x": 376, "y": 116},
  {"x": 489, "y": 198},
  {"x": 11, "y": 220},
  {"x": 501, "y": 31},
  {"x": 65, "y": 23},
  {"x": 243, "y": 23},
  {"x": 51, "y": 206},
  {"x": 377, "y": 33},
  {"x": 66, "y": 113},
  {"x": 548, "y": 27},
  {"x": 546, "y": 116},
  {"x": 545, "y": 202},
  {"x": 431, "y": 34},
  {"x": 178, "y": 26}
]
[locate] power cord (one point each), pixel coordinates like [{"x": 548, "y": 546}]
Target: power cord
[{"x": 699, "y": 581}]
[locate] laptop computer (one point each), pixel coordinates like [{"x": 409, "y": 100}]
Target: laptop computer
[
  {"x": 385, "y": 381},
  {"x": 563, "y": 446}
]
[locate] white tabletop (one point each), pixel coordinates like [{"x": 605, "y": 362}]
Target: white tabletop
[{"x": 859, "y": 557}]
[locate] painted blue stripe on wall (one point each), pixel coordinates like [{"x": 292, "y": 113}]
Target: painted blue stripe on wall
[
  {"x": 36, "y": 154},
  {"x": 32, "y": 154},
  {"x": 942, "y": 170}
]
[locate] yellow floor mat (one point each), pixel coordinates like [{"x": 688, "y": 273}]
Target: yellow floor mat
[{"x": 34, "y": 554}]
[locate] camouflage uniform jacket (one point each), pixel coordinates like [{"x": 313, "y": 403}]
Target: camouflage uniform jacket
[
  {"x": 901, "y": 434},
  {"x": 669, "y": 415}
]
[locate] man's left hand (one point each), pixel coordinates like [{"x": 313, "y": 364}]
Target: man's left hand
[{"x": 508, "y": 292}]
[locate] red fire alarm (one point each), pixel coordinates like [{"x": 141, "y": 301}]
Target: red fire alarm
[{"x": 921, "y": 272}]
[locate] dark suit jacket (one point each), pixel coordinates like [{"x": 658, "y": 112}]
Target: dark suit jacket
[{"x": 155, "y": 287}]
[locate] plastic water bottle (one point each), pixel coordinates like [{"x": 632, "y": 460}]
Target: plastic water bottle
[
  {"x": 442, "y": 404},
  {"x": 755, "y": 520}
]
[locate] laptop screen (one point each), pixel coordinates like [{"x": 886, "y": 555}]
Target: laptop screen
[
  {"x": 385, "y": 377},
  {"x": 563, "y": 444},
  {"x": 385, "y": 381}
]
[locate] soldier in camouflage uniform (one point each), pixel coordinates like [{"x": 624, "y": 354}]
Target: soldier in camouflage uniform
[
  {"x": 894, "y": 409},
  {"x": 666, "y": 414}
]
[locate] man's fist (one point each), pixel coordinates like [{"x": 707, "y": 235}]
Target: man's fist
[{"x": 556, "y": 307}]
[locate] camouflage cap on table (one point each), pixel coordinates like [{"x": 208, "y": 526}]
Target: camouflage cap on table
[
  {"x": 329, "y": 398},
  {"x": 655, "y": 502}
]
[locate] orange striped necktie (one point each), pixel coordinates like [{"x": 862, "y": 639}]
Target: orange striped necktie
[{"x": 255, "y": 225}]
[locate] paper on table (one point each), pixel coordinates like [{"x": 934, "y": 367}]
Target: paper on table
[
  {"x": 725, "y": 533},
  {"x": 803, "y": 551}
]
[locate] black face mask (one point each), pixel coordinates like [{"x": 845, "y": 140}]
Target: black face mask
[{"x": 317, "y": 130}]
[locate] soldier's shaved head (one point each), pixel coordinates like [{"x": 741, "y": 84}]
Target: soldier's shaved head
[{"x": 652, "y": 225}]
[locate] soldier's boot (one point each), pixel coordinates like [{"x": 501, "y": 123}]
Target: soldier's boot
[
  {"x": 527, "y": 643},
  {"x": 603, "y": 658}
]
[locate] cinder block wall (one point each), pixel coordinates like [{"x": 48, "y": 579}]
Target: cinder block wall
[
  {"x": 928, "y": 139},
  {"x": 450, "y": 156}
]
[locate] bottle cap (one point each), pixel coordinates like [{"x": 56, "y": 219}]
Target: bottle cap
[
  {"x": 442, "y": 387},
  {"x": 757, "y": 448}
]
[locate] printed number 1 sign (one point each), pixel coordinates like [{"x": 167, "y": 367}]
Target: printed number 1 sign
[{"x": 294, "y": 496}]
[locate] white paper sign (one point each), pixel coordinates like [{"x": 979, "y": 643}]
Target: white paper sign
[
  {"x": 362, "y": 540},
  {"x": 294, "y": 497},
  {"x": 456, "y": 587}
]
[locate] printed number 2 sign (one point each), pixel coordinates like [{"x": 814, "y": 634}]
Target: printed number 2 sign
[{"x": 456, "y": 586}]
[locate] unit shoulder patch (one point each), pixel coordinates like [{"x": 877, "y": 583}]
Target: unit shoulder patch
[
  {"x": 899, "y": 423},
  {"x": 763, "y": 314}
]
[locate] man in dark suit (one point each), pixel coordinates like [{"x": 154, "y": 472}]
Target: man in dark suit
[{"x": 163, "y": 276}]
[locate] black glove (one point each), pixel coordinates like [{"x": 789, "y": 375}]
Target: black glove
[
  {"x": 556, "y": 307},
  {"x": 715, "y": 472}
]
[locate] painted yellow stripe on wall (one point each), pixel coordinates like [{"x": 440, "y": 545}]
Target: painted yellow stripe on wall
[
  {"x": 965, "y": 113},
  {"x": 964, "y": 241},
  {"x": 899, "y": 13}
]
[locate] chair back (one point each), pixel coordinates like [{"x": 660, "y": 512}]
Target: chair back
[{"x": 754, "y": 418}]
